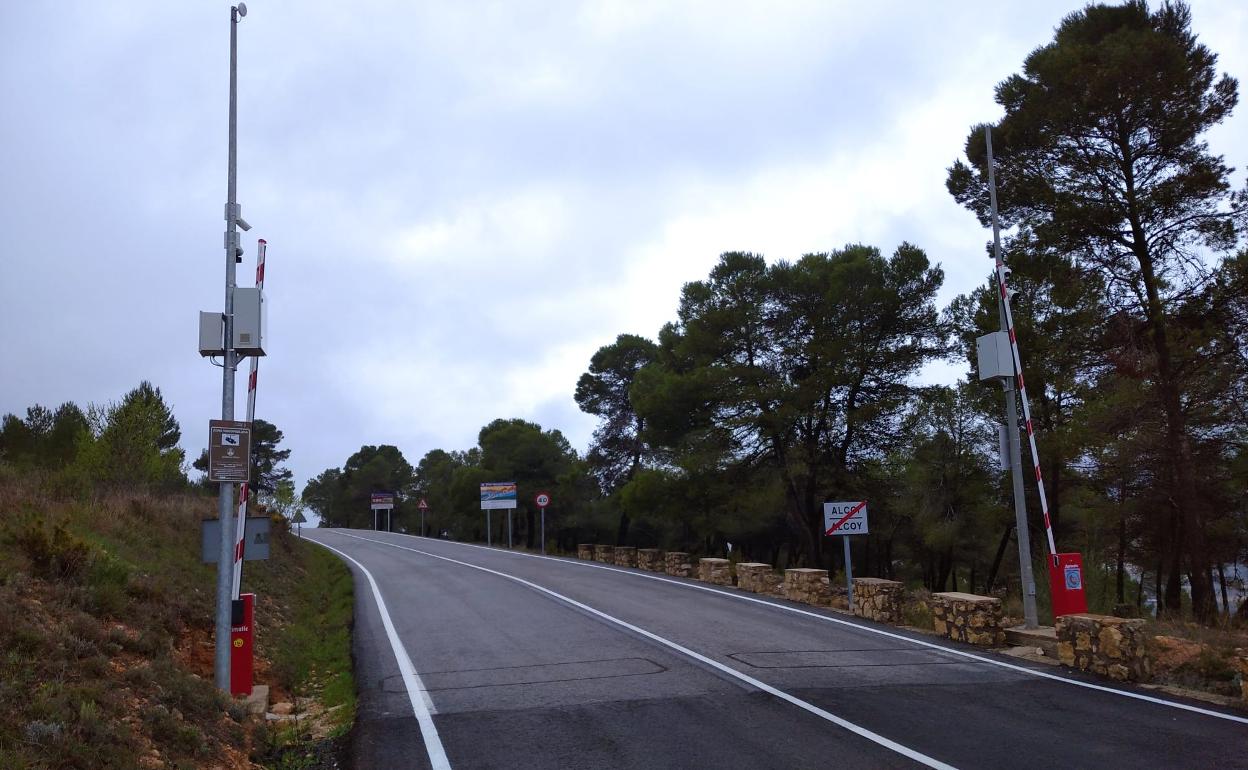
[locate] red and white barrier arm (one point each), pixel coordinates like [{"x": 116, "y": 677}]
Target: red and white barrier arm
[
  {"x": 244, "y": 493},
  {"x": 1022, "y": 391}
]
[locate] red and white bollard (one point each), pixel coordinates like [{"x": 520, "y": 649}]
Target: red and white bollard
[
  {"x": 1066, "y": 584},
  {"x": 243, "y": 645}
]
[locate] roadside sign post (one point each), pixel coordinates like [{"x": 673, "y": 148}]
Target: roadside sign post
[
  {"x": 497, "y": 494},
  {"x": 845, "y": 519},
  {"x": 542, "y": 499},
  {"x": 382, "y": 501},
  {"x": 849, "y": 575},
  {"x": 423, "y": 506}
]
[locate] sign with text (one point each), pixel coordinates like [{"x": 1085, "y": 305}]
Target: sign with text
[
  {"x": 498, "y": 494},
  {"x": 383, "y": 501},
  {"x": 229, "y": 451},
  {"x": 542, "y": 499},
  {"x": 845, "y": 518}
]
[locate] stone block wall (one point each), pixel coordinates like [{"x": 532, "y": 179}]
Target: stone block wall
[
  {"x": 968, "y": 618},
  {"x": 625, "y": 556},
  {"x": 757, "y": 577},
  {"x": 585, "y": 551},
  {"x": 809, "y": 586},
  {"x": 604, "y": 553},
  {"x": 717, "y": 571},
  {"x": 877, "y": 599},
  {"x": 676, "y": 564},
  {"x": 650, "y": 558},
  {"x": 1104, "y": 645}
]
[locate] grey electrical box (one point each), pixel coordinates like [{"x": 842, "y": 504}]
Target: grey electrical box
[
  {"x": 995, "y": 357},
  {"x": 255, "y": 545},
  {"x": 211, "y": 334},
  {"x": 250, "y": 315}
]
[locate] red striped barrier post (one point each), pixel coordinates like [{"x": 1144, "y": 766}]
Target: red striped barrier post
[
  {"x": 1022, "y": 392},
  {"x": 1066, "y": 569},
  {"x": 240, "y": 535}
]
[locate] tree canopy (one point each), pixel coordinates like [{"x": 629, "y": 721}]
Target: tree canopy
[{"x": 1102, "y": 163}]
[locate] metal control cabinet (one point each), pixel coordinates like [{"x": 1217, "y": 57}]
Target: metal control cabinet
[
  {"x": 211, "y": 334},
  {"x": 250, "y": 316},
  {"x": 996, "y": 359}
]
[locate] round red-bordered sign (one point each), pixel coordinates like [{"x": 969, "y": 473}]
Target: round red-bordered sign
[{"x": 542, "y": 499}]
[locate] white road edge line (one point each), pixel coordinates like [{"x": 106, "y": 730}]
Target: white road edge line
[
  {"x": 838, "y": 621},
  {"x": 422, "y": 705},
  {"x": 782, "y": 695}
]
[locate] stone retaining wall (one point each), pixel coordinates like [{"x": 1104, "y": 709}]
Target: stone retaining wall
[
  {"x": 809, "y": 586},
  {"x": 604, "y": 553},
  {"x": 1105, "y": 645},
  {"x": 878, "y": 599},
  {"x": 625, "y": 556},
  {"x": 717, "y": 571},
  {"x": 585, "y": 551},
  {"x": 757, "y": 577},
  {"x": 650, "y": 558},
  {"x": 676, "y": 564},
  {"x": 968, "y": 618}
]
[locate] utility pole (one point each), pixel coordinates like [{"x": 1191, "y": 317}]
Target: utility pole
[
  {"x": 1030, "y": 617},
  {"x": 225, "y": 507}
]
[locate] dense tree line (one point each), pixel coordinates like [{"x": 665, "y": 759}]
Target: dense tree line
[
  {"x": 507, "y": 450},
  {"x": 132, "y": 441},
  {"x": 784, "y": 384}
]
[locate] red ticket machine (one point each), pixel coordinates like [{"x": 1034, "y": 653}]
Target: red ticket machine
[
  {"x": 242, "y": 645},
  {"x": 1066, "y": 584}
]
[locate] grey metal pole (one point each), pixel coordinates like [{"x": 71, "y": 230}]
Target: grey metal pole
[
  {"x": 543, "y": 532},
  {"x": 1030, "y": 616},
  {"x": 849, "y": 574},
  {"x": 509, "y": 510},
  {"x": 225, "y": 503},
  {"x": 489, "y": 530}
]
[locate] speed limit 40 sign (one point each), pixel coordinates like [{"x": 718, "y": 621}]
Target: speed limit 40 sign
[{"x": 542, "y": 499}]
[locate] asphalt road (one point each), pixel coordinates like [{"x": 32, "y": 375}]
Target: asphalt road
[{"x": 485, "y": 658}]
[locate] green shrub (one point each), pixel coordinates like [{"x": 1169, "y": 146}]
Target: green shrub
[{"x": 59, "y": 556}]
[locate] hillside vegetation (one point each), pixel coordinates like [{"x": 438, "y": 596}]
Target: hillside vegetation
[{"x": 106, "y": 635}]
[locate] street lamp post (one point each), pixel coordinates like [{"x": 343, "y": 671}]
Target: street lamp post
[{"x": 225, "y": 507}]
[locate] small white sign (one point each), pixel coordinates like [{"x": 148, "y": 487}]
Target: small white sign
[
  {"x": 848, "y": 518},
  {"x": 229, "y": 439}
]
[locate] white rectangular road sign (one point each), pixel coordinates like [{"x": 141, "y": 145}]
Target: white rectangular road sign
[
  {"x": 382, "y": 501},
  {"x": 845, "y": 518}
]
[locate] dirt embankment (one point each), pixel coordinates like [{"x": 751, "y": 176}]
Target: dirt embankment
[{"x": 106, "y": 630}]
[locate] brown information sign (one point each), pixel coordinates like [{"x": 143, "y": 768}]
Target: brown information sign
[{"x": 229, "y": 451}]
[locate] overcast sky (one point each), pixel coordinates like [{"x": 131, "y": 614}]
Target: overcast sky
[{"x": 463, "y": 200}]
